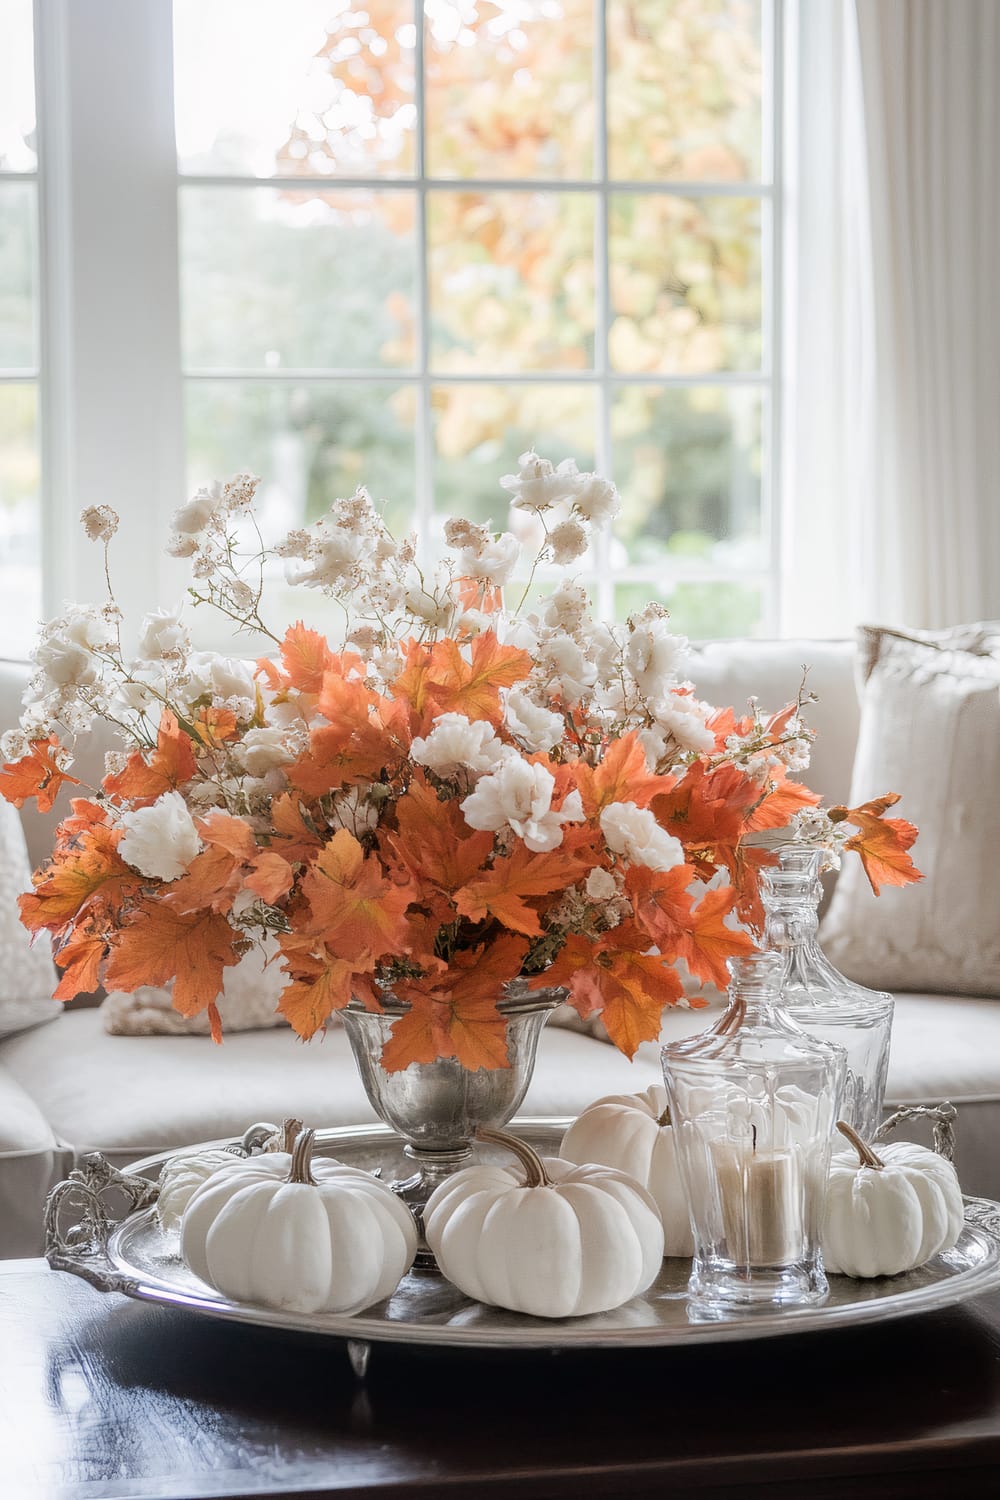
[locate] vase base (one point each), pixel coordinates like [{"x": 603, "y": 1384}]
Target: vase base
[{"x": 431, "y": 1169}]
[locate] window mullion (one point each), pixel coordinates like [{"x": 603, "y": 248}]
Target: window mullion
[
  {"x": 602, "y": 297},
  {"x": 112, "y": 424},
  {"x": 424, "y": 433}
]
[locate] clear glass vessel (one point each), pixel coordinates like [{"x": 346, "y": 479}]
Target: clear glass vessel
[
  {"x": 753, "y": 1102},
  {"x": 821, "y": 999}
]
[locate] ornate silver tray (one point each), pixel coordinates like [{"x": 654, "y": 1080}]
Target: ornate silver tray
[{"x": 136, "y": 1257}]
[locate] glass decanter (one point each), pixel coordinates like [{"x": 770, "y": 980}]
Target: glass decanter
[
  {"x": 753, "y": 1102},
  {"x": 817, "y": 996}
]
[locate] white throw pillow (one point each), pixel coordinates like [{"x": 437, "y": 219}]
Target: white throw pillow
[
  {"x": 250, "y": 994},
  {"x": 27, "y": 974},
  {"x": 930, "y": 730}
]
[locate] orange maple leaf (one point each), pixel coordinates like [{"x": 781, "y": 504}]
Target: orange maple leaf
[
  {"x": 305, "y": 657},
  {"x": 455, "y": 1014},
  {"x": 87, "y": 874},
  {"x": 433, "y": 842},
  {"x": 170, "y": 765},
  {"x": 709, "y": 942},
  {"x": 882, "y": 843},
  {"x": 501, "y": 891},
  {"x": 158, "y": 944},
  {"x": 621, "y": 776},
  {"x": 473, "y": 687},
  {"x": 270, "y": 877},
  {"x": 213, "y": 878},
  {"x": 785, "y": 799},
  {"x": 309, "y": 1000},
  {"x": 662, "y": 904},
  {"x": 291, "y": 836},
  {"x": 80, "y": 958},
  {"x": 35, "y": 775},
  {"x": 707, "y": 808},
  {"x": 613, "y": 975},
  {"x": 354, "y": 908}
]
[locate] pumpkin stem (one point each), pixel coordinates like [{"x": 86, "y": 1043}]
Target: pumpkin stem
[
  {"x": 290, "y": 1130},
  {"x": 302, "y": 1158},
  {"x": 535, "y": 1174},
  {"x": 664, "y": 1119},
  {"x": 866, "y": 1155}
]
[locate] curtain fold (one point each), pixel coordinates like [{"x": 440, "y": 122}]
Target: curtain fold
[{"x": 930, "y": 510}]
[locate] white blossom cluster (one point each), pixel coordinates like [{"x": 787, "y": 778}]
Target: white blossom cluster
[{"x": 814, "y": 828}]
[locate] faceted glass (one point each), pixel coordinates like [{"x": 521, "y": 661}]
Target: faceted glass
[
  {"x": 753, "y": 1103},
  {"x": 819, "y": 998}
]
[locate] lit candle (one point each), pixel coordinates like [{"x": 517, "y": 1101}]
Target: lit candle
[{"x": 762, "y": 1201}]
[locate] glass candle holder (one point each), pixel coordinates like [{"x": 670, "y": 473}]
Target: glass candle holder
[
  {"x": 816, "y": 995},
  {"x": 753, "y": 1103}
]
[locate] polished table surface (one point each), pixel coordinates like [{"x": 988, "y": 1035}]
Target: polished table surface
[{"x": 102, "y": 1398}]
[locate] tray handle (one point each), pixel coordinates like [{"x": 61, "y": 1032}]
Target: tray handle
[
  {"x": 943, "y": 1116},
  {"x": 80, "y": 1213}
]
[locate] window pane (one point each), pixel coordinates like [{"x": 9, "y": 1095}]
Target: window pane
[
  {"x": 17, "y": 87},
  {"x": 685, "y": 279},
  {"x": 20, "y": 521},
  {"x": 481, "y": 430},
  {"x": 18, "y": 341},
  {"x": 709, "y": 611},
  {"x": 510, "y": 88},
  {"x": 511, "y": 281},
  {"x": 300, "y": 87},
  {"x": 688, "y": 465},
  {"x": 274, "y": 277},
  {"x": 309, "y": 442},
  {"x": 684, "y": 83}
]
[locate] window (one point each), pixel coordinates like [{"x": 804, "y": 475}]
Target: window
[
  {"x": 340, "y": 246},
  {"x": 20, "y": 479},
  {"x": 406, "y": 257}
]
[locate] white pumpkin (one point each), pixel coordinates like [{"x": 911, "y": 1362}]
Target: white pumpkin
[
  {"x": 555, "y": 1240},
  {"x": 184, "y": 1174},
  {"x": 336, "y": 1243},
  {"x": 632, "y": 1132},
  {"x": 888, "y": 1212}
]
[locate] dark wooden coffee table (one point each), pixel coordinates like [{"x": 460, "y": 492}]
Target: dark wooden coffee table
[{"x": 102, "y": 1398}]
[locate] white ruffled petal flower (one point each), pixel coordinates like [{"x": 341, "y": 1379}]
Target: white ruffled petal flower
[
  {"x": 634, "y": 832},
  {"x": 456, "y": 743},
  {"x": 264, "y": 750},
  {"x": 160, "y": 840},
  {"x": 495, "y": 562},
  {"x": 596, "y": 499},
  {"x": 536, "y": 727},
  {"x": 163, "y": 635},
  {"x": 519, "y": 794},
  {"x": 538, "y": 485}
]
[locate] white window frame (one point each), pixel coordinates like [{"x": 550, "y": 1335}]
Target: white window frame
[{"x": 112, "y": 381}]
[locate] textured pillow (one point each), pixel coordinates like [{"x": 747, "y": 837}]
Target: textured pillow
[
  {"x": 250, "y": 993},
  {"x": 930, "y": 730},
  {"x": 27, "y": 975}
]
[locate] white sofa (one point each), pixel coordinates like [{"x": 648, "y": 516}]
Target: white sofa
[{"x": 68, "y": 1087}]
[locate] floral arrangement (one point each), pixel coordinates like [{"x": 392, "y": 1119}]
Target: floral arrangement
[{"x": 460, "y": 794}]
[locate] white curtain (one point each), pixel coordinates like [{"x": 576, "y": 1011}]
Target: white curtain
[{"x": 893, "y": 351}]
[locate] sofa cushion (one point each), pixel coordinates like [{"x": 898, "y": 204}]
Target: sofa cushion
[
  {"x": 930, "y": 730},
  {"x": 30, "y": 1161}
]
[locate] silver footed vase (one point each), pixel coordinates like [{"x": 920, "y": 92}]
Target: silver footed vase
[{"x": 437, "y": 1107}]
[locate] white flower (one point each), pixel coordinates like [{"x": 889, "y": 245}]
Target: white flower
[
  {"x": 601, "y": 885},
  {"x": 568, "y": 541},
  {"x": 652, "y": 653},
  {"x": 456, "y": 742},
  {"x": 520, "y": 794},
  {"x": 265, "y": 749},
  {"x": 65, "y": 654},
  {"x": 160, "y": 840},
  {"x": 334, "y": 554},
  {"x": 596, "y": 499},
  {"x": 566, "y": 607},
  {"x": 495, "y": 562},
  {"x": 538, "y": 486},
  {"x": 536, "y": 727},
  {"x": 566, "y": 667},
  {"x": 683, "y": 717},
  {"x": 195, "y": 516},
  {"x": 220, "y": 677},
  {"x": 464, "y": 536},
  {"x": 100, "y": 522},
  {"x": 431, "y": 605},
  {"x": 163, "y": 635},
  {"x": 634, "y": 832}
]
